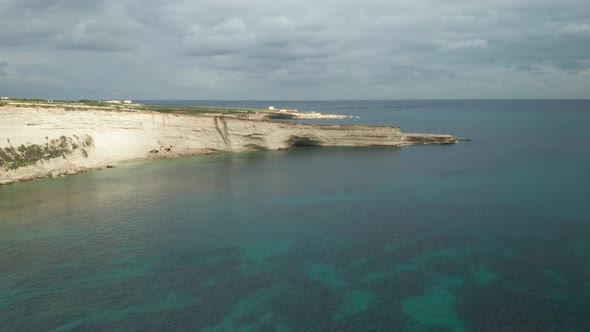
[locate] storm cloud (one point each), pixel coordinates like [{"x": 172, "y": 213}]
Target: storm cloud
[{"x": 229, "y": 49}]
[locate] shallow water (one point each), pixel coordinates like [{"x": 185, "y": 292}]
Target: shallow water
[{"x": 486, "y": 235}]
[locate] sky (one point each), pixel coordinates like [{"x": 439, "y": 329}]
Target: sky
[{"x": 295, "y": 50}]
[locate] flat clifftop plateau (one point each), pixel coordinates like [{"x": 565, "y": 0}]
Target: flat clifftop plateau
[{"x": 40, "y": 142}]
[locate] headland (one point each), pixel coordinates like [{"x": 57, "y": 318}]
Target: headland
[{"x": 51, "y": 138}]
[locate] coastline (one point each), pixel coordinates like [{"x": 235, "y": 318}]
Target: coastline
[{"x": 38, "y": 142}]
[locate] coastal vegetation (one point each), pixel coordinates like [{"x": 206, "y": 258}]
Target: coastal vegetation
[
  {"x": 24, "y": 155},
  {"x": 87, "y": 105},
  {"x": 128, "y": 106},
  {"x": 281, "y": 116}
]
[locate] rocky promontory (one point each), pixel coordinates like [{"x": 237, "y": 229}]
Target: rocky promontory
[{"x": 38, "y": 142}]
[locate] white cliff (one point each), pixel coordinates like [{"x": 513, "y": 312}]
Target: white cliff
[{"x": 37, "y": 142}]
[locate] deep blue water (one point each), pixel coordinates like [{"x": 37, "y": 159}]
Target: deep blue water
[{"x": 487, "y": 235}]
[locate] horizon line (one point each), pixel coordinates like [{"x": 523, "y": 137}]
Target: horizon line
[{"x": 313, "y": 100}]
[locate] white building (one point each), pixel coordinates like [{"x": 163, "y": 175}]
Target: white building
[
  {"x": 127, "y": 102},
  {"x": 4, "y": 98},
  {"x": 272, "y": 108}
]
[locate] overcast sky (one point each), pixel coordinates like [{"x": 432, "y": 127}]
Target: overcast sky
[{"x": 303, "y": 49}]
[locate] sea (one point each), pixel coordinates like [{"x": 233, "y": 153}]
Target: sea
[{"x": 492, "y": 234}]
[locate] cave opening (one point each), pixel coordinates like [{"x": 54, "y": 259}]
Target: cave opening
[{"x": 302, "y": 141}]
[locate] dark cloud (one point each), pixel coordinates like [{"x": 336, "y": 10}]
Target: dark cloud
[
  {"x": 573, "y": 67},
  {"x": 296, "y": 49}
]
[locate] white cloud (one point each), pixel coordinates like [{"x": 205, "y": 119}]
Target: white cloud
[
  {"x": 465, "y": 45},
  {"x": 232, "y": 25},
  {"x": 293, "y": 48},
  {"x": 461, "y": 18},
  {"x": 576, "y": 29}
]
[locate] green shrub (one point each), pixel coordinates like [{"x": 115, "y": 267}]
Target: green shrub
[{"x": 25, "y": 155}]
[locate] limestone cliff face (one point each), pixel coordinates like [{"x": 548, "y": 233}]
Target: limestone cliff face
[{"x": 38, "y": 142}]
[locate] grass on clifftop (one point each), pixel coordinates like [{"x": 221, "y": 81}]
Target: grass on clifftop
[
  {"x": 196, "y": 109},
  {"x": 84, "y": 105}
]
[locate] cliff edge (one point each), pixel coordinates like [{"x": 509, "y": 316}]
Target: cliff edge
[{"x": 37, "y": 142}]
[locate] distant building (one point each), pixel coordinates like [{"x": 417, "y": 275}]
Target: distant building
[
  {"x": 127, "y": 102},
  {"x": 4, "y": 98},
  {"x": 113, "y": 101},
  {"x": 282, "y": 110}
]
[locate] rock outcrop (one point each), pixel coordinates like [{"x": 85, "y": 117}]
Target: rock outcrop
[{"x": 39, "y": 142}]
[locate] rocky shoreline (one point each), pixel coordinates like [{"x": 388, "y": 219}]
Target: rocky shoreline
[{"x": 38, "y": 142}]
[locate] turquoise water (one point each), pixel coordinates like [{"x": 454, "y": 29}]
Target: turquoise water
[{"x": 487, "y": 235}]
